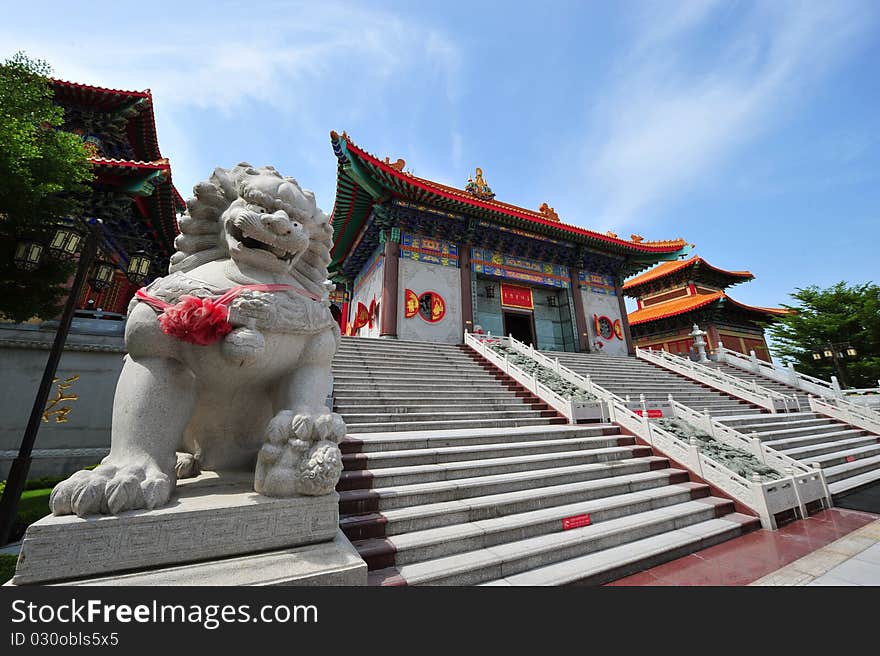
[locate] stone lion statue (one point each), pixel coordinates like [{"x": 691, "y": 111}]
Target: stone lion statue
[{"x": 229, "y": 356}]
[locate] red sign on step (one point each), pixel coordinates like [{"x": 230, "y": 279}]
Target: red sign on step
[
  {"x": 575, "y": 521},
  {"x": 850, "y": 458},
  {"x": 652, "y": 414}
]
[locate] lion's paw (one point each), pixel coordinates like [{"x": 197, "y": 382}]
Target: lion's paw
[
  {"x": 320, "y": 470},
  {"x": 109, "y": 490},
  {"x": 300, "y": 455}
]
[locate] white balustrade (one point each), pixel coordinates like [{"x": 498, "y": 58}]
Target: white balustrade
[
  {"x": 750, "y": 391},
  {"x": 766, "y": 498}
]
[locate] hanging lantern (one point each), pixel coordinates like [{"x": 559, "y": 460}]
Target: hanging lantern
[
  {"x": 829, "y": 353},
  {"x": 65, "y": 242},
  {"x": 139, "y": 268},
  {"x": 101, "y": 275},
  {"x": 817, "y": 356},
  {"x": 851, "y": 352},
  {"x": 27, "y": 255}
]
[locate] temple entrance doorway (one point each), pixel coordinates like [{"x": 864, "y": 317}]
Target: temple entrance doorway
[{"x": 520, "y": 326}]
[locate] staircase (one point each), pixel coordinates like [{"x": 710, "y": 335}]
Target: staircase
[
  {"x": 629, "y": 376},
  {"x": 849, "y": 456},
  {"x": 481, "y": 497},
  {"x": 389, "y": 385}
]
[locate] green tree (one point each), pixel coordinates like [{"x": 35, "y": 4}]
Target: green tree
[
  {"x": 838, "y": 314},
  {"x": 43, "y": 171}
]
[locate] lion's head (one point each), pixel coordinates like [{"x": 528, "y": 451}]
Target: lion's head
[{"x": 258, "y": 217}]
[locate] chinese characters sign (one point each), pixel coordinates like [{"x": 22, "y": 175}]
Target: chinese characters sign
[{"x": 517, "y": 296}]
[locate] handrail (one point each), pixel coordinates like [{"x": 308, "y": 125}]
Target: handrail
[
  {"x": 766, "y": 398},
  {"x": 571, "y": 409},
  {"x": 790, "y": 376},
  {"x": 766, "y": 498},
  {"x": 847, "y": 412}
]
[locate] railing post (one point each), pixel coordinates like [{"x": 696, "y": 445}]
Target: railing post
[
  {"x": 644, "y": 409},
  {"x": 835, "y": 386},
  {"x": 694, "y": 448},
  {"x": 758, "y": 450},
  {"x": 802, "y": 508},
  {"x": 828, "y": 498},
  {"x": 767, "y": 519}
]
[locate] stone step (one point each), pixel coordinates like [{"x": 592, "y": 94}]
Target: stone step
[
  {"x": 416, "y": 377},
  {"x": 450, "y": 414},
  {"x": 432, "y": 543},
  {"x": 378, "y": 427},
  {"x": 454, "y": 398},
  {"x": 433, "y": 515},
  {"x": 437, "y": 455},
  {"x": 395, "y": 407},
  {"x": 845, "y": 455},
  {"x": 499, "y": 561},
  {"x": 769, "y": 418},
  {"x": 853, "y": 483},
  {"x": 827, "y": 429},
  {"x": 781, "y": 423},
  {"x": 381, "y": 499},
  {"x": 836, "y": 473},
  {"x": 353, "y": 369},
  {"x": 809, "y": 451},
  {"x": 378, "y": 442},
  {"x": 789, "y": 444},
  {"x": 448, "y": 471},
  {"x": 421, "y": 386},
  {"x": 616, "y": 562}
]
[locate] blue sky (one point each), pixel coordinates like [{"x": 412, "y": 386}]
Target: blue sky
[{"x": 750, "y": 128}]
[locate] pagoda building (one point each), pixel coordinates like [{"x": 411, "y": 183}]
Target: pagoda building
[
  {"x": 132, "y": 192},
  {"x": 673, "y": 296},
  {"x": 417, "y": 260}
]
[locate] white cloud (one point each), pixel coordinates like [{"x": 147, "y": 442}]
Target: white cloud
[
  {"x": 229, "y": 62},
  {"x": 678, "y": 108}
]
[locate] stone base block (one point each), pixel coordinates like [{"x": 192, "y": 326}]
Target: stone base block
[
  {"x": 212, "y": 516},
  {"x": 328, "y": 563}
]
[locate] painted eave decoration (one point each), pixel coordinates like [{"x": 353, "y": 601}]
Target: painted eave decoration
[
  {"x": 695, "y": 302},
  {"x": 363, "y": 179}
]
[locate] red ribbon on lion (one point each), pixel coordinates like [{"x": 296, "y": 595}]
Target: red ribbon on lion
[{"x": 203, "y": 321}]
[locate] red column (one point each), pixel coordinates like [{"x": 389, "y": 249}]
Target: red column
[
  {"x": 390, "y": 272},
  {"x": 467, "y": 301},
  {"x": 580, "y": 316}
]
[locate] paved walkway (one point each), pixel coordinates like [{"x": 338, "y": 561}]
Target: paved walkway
[
  {"x": 851, "y": 560},
  {"x": 757, "y": 556}
]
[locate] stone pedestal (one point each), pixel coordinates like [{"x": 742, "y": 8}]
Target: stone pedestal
[{"x": 215, "y": 531}]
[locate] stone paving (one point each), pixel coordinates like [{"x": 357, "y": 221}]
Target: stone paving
[
  {"x": 761, "y": 555},
  {"x": 851, "y": 560}
]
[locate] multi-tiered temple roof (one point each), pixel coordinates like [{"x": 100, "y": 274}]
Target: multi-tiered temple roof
[
  {"x": 132, "y": 192},
  {"x": 364, "y": 181},
  {"x": 687, "y": 286}
]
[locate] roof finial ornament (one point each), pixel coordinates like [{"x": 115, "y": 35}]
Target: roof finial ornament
[
  {"x": 478, "y": 187},
  {"x": 549, "y": 213},
  {"x": 398, "y": 165},
  {"x": 636, "y": 238}
]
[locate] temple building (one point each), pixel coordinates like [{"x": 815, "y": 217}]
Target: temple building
[
  {"x": 673, "y": 296},
  {"x": 132, "y": 192},
  {"x": 417, "y": 260}
]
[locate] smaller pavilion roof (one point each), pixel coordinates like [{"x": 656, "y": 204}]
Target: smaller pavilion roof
[
  {"x": 695, "y": 267},
  {"x": 686, "y": 304}
]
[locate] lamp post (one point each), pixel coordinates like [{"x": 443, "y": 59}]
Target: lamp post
[
  {"x": 64, "y": 244},
  {"x": 835, "y": 351}
]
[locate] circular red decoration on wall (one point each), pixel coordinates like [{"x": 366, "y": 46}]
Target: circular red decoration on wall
[{"x": 430, "y": 306}]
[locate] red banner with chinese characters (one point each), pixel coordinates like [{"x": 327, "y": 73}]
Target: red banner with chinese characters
[
  {"x": 516, "y": 296},
  {"x": 361, "y": 317},
  {"x": 576, "y": 521}
]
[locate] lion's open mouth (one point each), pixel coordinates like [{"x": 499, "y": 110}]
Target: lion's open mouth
[{"x": 257, "y": 239}]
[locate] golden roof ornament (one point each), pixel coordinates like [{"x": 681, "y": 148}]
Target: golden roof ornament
[
  {"x": 549, "y": 213},
  {"x": 609, "y": 233},
  {"x": 637, "y": 238},
  {"x": 478, "y": 187},
  {"x": 398, "y": 165}
]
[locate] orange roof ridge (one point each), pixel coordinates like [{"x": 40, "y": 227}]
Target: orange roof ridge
[
  {"x": 158, "y": 163},
  {"x": 689, "y": 303},
  {"x": 666, "y": 268}
]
